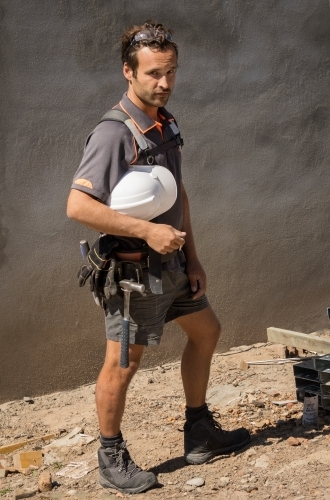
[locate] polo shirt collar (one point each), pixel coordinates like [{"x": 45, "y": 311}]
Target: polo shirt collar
[{"x": 140, "y": 119}]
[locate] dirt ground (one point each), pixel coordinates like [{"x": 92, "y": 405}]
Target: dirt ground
[{"x": 284, "y": 459}]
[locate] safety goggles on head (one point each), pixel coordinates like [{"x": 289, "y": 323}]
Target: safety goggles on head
[{"x": 148, "y": 35}]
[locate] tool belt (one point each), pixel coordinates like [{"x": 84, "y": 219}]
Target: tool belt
[{"x": 106, "y": 264}]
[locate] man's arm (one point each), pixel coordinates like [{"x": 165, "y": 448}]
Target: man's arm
[
  {"x": 88, "y": 211},
  {"x": 194, "y": 269}
]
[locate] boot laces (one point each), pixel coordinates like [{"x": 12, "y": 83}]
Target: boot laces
[
  {"x": 215, "y": 423},
  {"x": 124, "y": 462}
]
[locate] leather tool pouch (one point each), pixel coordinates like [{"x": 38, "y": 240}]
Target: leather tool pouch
[
  {"x": 105, "y": 272},
  {"x": 127, "y": 270},
  {"x": 99, "y": 267}
]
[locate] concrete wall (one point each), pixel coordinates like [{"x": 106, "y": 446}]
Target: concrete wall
[{"x": 252, "y": 100}]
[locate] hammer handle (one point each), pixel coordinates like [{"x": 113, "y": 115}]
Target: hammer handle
[
  {"x": 84, "y": 248},
  {"x": 124, "y": 361}
]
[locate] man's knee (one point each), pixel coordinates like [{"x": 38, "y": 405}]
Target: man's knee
[
  {"x": 217, "y": 331},
  {"x": 212, "y": 333},
  {"x": 112, "y": 360},
  {"x": 129, "y": 372},
  {"x": 201, "y": 327}
]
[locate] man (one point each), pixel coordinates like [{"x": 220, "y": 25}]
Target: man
[{"x": 149, "y": 57}]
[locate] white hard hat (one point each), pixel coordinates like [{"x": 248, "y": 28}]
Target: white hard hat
[{"x": 144, "y": 192}]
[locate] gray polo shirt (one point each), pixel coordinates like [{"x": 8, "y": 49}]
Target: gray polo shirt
[{"x": 111, "y": 148}]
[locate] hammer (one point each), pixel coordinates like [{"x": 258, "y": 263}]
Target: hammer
[{"x": 127, "y": 286}]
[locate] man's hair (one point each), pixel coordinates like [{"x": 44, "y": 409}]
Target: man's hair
[{"x": 150, "y": 34}]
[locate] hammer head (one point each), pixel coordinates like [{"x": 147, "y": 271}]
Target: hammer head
[{"x": 132, "y": 286}]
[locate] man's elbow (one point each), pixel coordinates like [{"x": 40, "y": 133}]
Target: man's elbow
[
  {"x": 72, "y": 208},
  {"x": 70, "y": 212}
]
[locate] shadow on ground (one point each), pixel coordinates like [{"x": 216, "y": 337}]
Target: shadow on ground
[{"x": 282, "y": 431}]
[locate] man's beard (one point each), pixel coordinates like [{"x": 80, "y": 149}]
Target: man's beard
[{"x": 153, "y": 99}]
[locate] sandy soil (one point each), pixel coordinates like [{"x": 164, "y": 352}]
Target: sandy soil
[{"x": 284, "y": 459}]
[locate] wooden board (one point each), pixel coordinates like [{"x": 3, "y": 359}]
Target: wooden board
[
  {"x": 23, "y": 459},
  {"x": 16, "y": 446},
  {"x": 299, "y": 340}
]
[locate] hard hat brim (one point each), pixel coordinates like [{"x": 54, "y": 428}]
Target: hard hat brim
[{"x": 144, "y": 192}]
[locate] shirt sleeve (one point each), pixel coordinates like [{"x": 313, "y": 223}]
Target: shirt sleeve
[{"x": 109, "y": 149}]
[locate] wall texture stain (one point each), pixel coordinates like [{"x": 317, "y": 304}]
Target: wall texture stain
[{"x": 252, "y": 102}]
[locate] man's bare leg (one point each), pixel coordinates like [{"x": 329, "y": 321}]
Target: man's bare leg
[
  {"x": 117, "y": 469},
  {"x": 203, "y": 436},
  {"x": 203, "y": 332},
  {"x": 112, "y": 385}
]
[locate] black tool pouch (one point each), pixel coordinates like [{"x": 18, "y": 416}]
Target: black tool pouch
[
  {"x": 127, "y": 270},
  {"x": 110, "y": 285},
  {"x": 99, "y": 289},
  {"x": 100, "y": 254},
  {"x": 100, "y": 268},
  {"x": 83, "y": 274}
]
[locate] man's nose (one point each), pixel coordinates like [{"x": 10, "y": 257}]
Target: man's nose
[{"x": 162, "y": 82}]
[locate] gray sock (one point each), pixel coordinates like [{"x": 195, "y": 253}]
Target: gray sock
[{"x": 110, "y": 442}]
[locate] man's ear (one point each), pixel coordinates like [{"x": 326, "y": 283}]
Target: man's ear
[{"x": 128, "y": 72}]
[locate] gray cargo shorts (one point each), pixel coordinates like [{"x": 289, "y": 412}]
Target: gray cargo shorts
[{"x": 149, "y": 314}]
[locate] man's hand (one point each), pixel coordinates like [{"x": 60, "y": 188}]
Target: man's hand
[
  {"x": 197, "y": 278},
  {"x": 164, "y": 239}
]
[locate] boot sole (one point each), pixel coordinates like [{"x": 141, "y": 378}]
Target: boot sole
[
  {"x": 148, "y": 484},
  {"x": 200, "y": 458}
]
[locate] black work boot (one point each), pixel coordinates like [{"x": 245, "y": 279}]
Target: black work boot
[
  {"x": 205, "y": 439},
  {"x": 117, "y": 470}
]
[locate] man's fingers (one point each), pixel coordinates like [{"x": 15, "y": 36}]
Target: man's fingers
[
  {"x": 179, "y": 242},
  {"x": 197, "y": 278},
  {"x": 197, "y": 287},
  {"x": 180, "y": 238},
  {"x": 197, "y": 295},
  {"x": 166, "y": 239},
  {"x": 180, "y": 234},
  {"x": 193, "y": 284}
]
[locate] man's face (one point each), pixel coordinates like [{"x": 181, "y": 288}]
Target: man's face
[{"x": 154, "y": 80}]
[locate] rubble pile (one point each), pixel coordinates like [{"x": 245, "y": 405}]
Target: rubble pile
[{"x": 57, "y": 437}]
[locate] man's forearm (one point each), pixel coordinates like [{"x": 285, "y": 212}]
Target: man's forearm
[
  {"x": 189, "y": 248},
  {"x": 194, "y": 269},
  {"x": 90, "y": 212}
]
